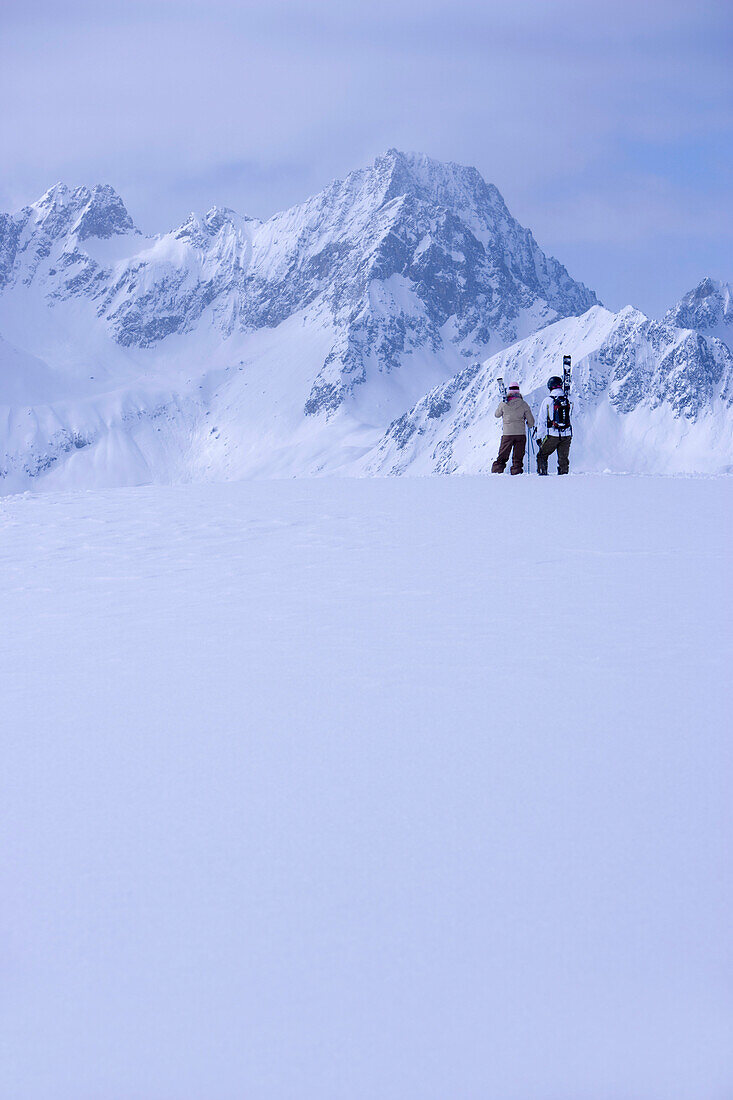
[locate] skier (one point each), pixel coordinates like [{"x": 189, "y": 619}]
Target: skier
[
  {"x": 515, "y": 413},
  {"x": 554, "y": 432}
]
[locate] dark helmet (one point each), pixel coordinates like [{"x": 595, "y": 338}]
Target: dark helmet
[{"x": 554, "y": 383}]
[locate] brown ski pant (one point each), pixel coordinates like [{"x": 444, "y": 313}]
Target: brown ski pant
[
  {"x": 550, "y": 444},
  {"x": 509, "y": 442}
]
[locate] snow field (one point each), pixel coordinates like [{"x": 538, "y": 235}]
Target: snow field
[{"x": 405, "y": 788}]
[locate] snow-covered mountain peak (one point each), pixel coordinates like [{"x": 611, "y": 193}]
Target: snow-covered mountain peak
[
  {"x": 83, "y": 212},
  {"x": 53, "y": 215},
  {"x": 202, "y": 230},
  {"x": 708, "y": 307},
  {"x": 215, "y": 219},
  {"x": 629, "y": 314},
  {"x": 63, "y": 237},
  {"x": 104, "y": 215},
  {"x": 708, "y": 289},
  {"x": 57, "y": 195},
  {"x": 411, "y": 254},
  {"x": 399, "y": 183},
  {"x": 219, "y": 216},
  {"x": 451, "y": 185}
]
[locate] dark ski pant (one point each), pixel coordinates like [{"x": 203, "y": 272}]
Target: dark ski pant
[
  {"x": 518, "y": 443},
  {"x": 550, "y": 444}
]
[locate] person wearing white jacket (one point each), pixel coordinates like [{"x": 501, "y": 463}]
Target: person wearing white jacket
[{"x": 554, "y": 431}]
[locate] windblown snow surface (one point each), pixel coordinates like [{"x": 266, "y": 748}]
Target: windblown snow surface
[{"x": 344, "y": 790}]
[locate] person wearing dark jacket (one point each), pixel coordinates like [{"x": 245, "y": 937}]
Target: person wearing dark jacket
[{"x": 515, "y": 413}]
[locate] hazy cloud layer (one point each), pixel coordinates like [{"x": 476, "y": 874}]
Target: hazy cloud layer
[{"x": 608, "y": 128}]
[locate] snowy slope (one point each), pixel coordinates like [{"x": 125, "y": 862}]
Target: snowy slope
[
  {"x": 647, "y": 396},
  {"x": 26, "y": 380},
  {"x": 307, "y": 794}
]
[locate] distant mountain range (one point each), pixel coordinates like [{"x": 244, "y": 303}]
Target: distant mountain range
[{"x": 341, "y": 336}]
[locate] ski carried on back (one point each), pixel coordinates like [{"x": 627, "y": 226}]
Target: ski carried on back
[
  {"x": 502, "y": 388},
  {"x": 560, "y": 413}
]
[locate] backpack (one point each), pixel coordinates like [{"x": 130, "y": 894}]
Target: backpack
[{"x": 560, "y": 418}]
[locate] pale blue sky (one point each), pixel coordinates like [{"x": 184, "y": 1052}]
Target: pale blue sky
[{"x": 607, "y": 127}]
